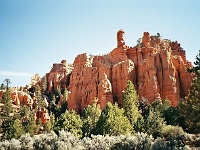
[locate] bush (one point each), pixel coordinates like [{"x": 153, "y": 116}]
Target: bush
[
  {"x": 26, "y": 142},
  {"x": 138, "y": 141},
  {"x": 192, "y": 140},
  {"x": 160, "y": 144},
  {"x": 172, "y": 132},
  {"x": 100, "y": 142},
  {"x": 68, "y": 141},
  {"x": 172, "y": 137},
  {"x": 13, "y": 144},
  {"x": 45, "y": 141}
]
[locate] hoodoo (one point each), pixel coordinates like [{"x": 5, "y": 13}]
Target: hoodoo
[{"x": 156, "y": 66}]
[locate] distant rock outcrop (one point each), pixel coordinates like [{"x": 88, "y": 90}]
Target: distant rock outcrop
[
  {"x": 19, "y": 97},
  {"x": 155, "y": 66},
  {"x": 58, "y": 75}
]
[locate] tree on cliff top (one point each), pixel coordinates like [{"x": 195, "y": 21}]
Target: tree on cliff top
[
  {"x": 131, "y": 103},
  {"x": 190, "y": 106}
]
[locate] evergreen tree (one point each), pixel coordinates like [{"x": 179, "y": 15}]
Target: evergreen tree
[
  {"x": 172, "y": 116},
  {"x": 130, "y": 103},
  {"x": 190, "y": 105},
  {"x": 90, "y": 117},
  {"x": 169, "y": 113},
  {"x": 53, "y": 108},
  {"x": 24, "y": 111},
  {"x": 196, "y": 68},
  {"x": 12, "y": 128},
  {"x": 69, "y": 122},
  {"x": 38, "y": 96},
  {"x": 7, "y": 81},
  {"x": 50, "y": 124},
  {"x": 6, "y": 109},
  {"x": 160, "y": 106},
  {"x": 139, "y": 126},
  {"x": 2, "y": 87},
  {"x": 29, "y": 124},
  {"x": 113, "y": 122},
  {"x": 154, "y": 123}
]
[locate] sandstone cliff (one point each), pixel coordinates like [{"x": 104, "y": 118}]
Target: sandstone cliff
[
  {"x": 20, "y": 98},
  {"x": 58, "y": 76},
  {"x": 155, "y": 66}
]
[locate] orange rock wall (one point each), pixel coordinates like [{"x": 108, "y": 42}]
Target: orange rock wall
[
  {"x": 58, "y": 76},
  {"x": 19, "y": 97},
  {"x": 156, "y": 67}
]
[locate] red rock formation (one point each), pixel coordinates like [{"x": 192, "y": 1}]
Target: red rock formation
[
  {"x": 104, "y": 91},
  {"x": 35, "y": 79},
  {"x": 157, "y": 69},
  {"x": 120, "y": 39},
  {"x": 83, "y": 83},
  {"x": 58, "y": 76},
  {"x": 43, "y": 115},
  {"x": 19, "y": 97},
  {"x": 146, "y": 39}
]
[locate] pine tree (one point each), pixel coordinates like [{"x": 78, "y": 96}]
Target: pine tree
[
  {"x": 154, "y": 123},
  {"x": 69, "y": 122},
  {"x": 2, "y": 87},
  {"x": 38, "y": 96},
  {"x": 190, "y": 105},
  {"x": 50, "y": 124},
  {"x": 6, "y": 108},
  {"x": 90, "y": 117},
  {"x": 113, "y": 122},
  {"x": 151, "y": 120},
  {"x": 12, "y": 128},
  {"x": 130, "y": 103}
]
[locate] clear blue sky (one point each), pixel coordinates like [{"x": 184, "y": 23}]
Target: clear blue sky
[{"x": 34, "y": 34}]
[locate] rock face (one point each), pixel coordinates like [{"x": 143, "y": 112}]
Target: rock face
[
  {"x": 43, "y": 115},
  {"x": 58, "y": 76},
  {"x": 19, "y": 97},
  {"x": 156, "y": 67}
]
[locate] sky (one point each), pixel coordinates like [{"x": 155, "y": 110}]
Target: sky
[{"x": 34, "y": 34}]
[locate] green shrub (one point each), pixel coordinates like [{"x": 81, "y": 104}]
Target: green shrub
[
  {"x": 70, "y": 122},
  {"x": 173, "y": 136},
  {"x": 172, "y": 132}
]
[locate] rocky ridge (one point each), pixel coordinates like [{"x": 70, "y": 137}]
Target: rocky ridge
[{"x": 156, "y": 66}]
